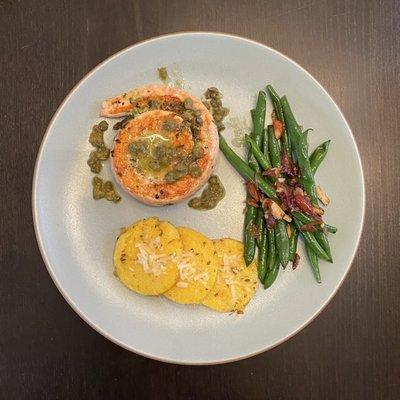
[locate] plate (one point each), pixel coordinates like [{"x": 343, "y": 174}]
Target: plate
[{"x": 76, "y": 234}]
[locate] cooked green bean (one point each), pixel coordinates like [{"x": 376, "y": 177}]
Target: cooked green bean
[
  {"x": 331, "y": 228},
  {"x": 271, "y": 249},
  {"x": 271, "y": 274},
  {"x": 276, "y": 102},
  {"x": 249, "y": 239},
  {"x": 319, "y": 235},
  {"x": 306, "y": 219},
  {"x": 258, "y": 117},
  {"x": 262, "y": 255},
  {"x": 318, "y": 155},
  {"x": 265, "y": 146},
  {"x": 273, "y": 147},
  {"x": 314, "y": 263},
  {"x": 258, "y": 154},
  {"x": 300, "y": 147},
  {"x": 282, "y": 242},
  {"x": 311, "y": 241},
  {"x": 245, "y": 170},
  {"x": 260, "y": 224},
  {"x": 293, "y": 243}
]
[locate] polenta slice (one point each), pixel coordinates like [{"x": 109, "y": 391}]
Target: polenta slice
[
  {"x": 146, "y": 254},
  {"x": 197, "y": 268},
  {"x": 236, "y": 283}
]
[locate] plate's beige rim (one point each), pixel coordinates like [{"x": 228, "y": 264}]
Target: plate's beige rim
[{"x": 43, "y": 251}]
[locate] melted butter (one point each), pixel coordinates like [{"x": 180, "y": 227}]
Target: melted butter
[{"x": 147, "y": 161}]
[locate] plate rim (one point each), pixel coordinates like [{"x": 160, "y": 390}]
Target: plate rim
[{"x": 39, "y": 238}]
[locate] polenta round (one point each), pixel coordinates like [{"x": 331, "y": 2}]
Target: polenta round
[
  {"x": 197, "y": 268},
  {"x": 235, "y": 284},
  {"x": 146, "y": 254}
]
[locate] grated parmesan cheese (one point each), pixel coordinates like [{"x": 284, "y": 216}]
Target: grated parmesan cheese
[{"x": 152, "y": 263}]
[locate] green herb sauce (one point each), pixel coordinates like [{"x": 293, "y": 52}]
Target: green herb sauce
[{"x": 210, "y": 197}]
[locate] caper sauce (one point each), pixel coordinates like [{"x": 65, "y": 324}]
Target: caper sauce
[
  {"x": 211, "y": 196},
  {"x": 163, "y": 74},
  {"x": 104, "y": 189},
  {"x": 213, "y": 103},
  {"x": 100, "y": 189},
  {"x": 96, "y": 139}
]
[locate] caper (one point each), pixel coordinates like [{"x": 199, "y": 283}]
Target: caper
[
  {"x": 197, "y": 150},
  {"x": 103, "y": 153},
  {"x": 103, "y": 125},
  {"x": 110, "y": 193},
  {"x": 181, "y": 168},
  {"x": 96, "y": 137},
  {"x": 98, "y": 189},
  {"x": 207, "y": 104},
  {"x": 170, "y": 125},
  {"x": 188, "y": 103},
  {"x": 137, "y": 147},
  {"x": 194, "y": 170},
  {"x": 170, "y": 177},
  {"x": 188, "y": 115},
  {"x": 94, "y": 162},
  {"x": 155, "y": 165}
]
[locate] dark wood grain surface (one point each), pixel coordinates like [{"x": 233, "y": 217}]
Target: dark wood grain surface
[{"x": 351, "y": 351}]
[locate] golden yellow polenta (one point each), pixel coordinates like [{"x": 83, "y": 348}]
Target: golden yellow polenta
[
  {"x": 197, "y": 268},
  {"x": 236, "y": 283},
  {"x": 146, "y": 256}
]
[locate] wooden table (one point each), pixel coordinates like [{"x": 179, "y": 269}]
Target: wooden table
[{"x": 351, "y": 351}]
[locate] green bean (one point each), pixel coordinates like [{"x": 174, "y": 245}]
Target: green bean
[
  {"x": 258, "y": 154},
  {"x": 276, "y": 101},
  {"x": 262, "y": 255},
  {"x": 306, "y": 219},
  {"x": 260, "y": 223},
  {"x": 245, "y": 170},
  {"x": 319, "y": 235},
  {"x": 314, "y": 263},
  {"x": 259, "y": 118},
  {"x": 293, "y": 243},
  {"x": 265, "y": 146},
  {"x": 249, "y": 239},
  {"x": 318, "y": 155},
  {"x": 271, "y": 249},
  {"x": 282, "y": 242},
  {"x": 311, "y": 241},
  {"x": 331, "y": 228},
  {"x": 271, "y": 274},
  {"x": 300, "y": 147},
  {"x": 273, "y": 147}
]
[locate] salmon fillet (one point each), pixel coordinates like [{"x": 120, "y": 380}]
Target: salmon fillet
[{"x": 161, "y": 106}]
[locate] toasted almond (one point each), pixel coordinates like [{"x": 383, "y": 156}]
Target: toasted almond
[
  {"x": 287, "y": 218},
  {"x": 276, "y": 211},
  {"x": 253, "y": 191},
  {"x": 278, "y": 128},
  {"x": 323, "y": 197},
  {"x": 318, "y": 210}
]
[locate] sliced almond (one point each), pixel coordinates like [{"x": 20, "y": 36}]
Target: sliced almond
[
  {"x": 278, "y": 213},
  {"x": 318, "y": 210},
  {"x": 323, "y": 197},
  {"x": 278, "y": 128}
]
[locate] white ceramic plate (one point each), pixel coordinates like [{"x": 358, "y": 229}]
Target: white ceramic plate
[{"x": 76, "y": 234}]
